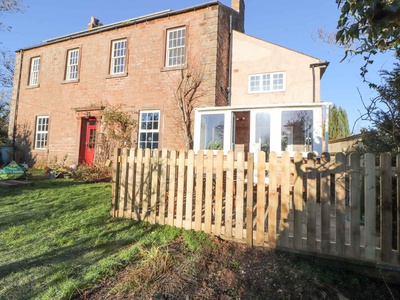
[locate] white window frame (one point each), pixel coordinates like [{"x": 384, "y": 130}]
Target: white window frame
[
  {"x": 266, "y": 82},
  {"x": 175, "y": 50},
  {"x": 42, "y": 132},
  {"x": 34, "y": 71},
  {"x": 118, "y": 57},
  {"x": 72, "y": 65},
  {"x": 152, "y": 130}
]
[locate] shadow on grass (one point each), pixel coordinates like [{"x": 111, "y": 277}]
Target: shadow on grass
[
  {"x": 69, "y": 262},
  {"x": 57, "y": 230}
]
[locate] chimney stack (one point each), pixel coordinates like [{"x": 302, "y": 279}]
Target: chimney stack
[
  {"x": 239, "y": 6},
  {"x": 94, "y": 23}
]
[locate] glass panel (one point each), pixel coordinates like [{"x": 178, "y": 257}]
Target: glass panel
[
  {"x": 92, "y": 138},
  {"x": 297, "y": 130},
  {"x": 212, "y": 132},
  {"x": 263, "y": 131}
]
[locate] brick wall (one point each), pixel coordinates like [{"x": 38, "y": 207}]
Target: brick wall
[{"x": 146, "y": 86}]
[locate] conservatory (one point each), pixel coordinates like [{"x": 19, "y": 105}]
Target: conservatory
[{"x": 292, "y": 128}]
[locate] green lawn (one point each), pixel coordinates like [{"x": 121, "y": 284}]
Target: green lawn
[{"x": 57, "y": 238}]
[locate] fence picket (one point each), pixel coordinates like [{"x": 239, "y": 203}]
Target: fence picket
[
  {"x": 146, "y": 184},
  {"x": 249, "y": 199},
  {"x": 260, "y": 228},
  {"x": 171, "y": 187},
  {"x": 123, "y": 182},
  {"x": 189, "y": 190},
  {"x": 229, "y": 193},
  {"x": 199, "y": 190},
  {"x": 181, "y": 189},
  {"x": 272, "y": 199},
  {"x": 386, "y": 207},
  {"x": 325, "y": 203},
  {"x": 154, "y": 186},
  {"x": 209, "y": 192},
  {"x": 340, "y": 202},
  {"x": 131, "y": 182},
  {"x": 355, "y": 210},
  {"x": 285, "y": 196},
  {"x": 370, "y": 206},
  {"x": 163, "y": 185},
  {"x": 116, "y": 180},
  {"x": 311, "y": 202},
  {"x": 298, "y": 201},
  {"x": 219, "y": 180},
  {"x": 239, "y": 196},
  {"x": 138, "y": 185}
]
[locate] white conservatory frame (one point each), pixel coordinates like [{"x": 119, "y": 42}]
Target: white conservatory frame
[{"x": 318, "y": 132}]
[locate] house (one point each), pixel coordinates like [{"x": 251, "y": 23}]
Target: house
[
  {"x": 62, "y": 85},
  {"x": 274, "y": 102},
  {"x": 254, "y": 95}
]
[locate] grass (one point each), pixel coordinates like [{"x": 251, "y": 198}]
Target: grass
[{"x": 57, "y": 238}]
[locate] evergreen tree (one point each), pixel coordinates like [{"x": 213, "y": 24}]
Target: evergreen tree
[{"x": 338, "y": 123}]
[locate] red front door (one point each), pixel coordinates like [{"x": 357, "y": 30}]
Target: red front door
[{"x": 90, "y": 142}]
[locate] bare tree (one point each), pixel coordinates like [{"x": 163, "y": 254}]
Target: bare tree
[
  {"x": 187, "y": 92},
  {"x": 8, "y": 6}
]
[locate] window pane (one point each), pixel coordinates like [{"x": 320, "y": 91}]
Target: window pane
[
  {"x": 72, "y": 64},
  {"x": 118, "y": 57},
  {"x": 212, "y": 132},
  {"x": 41, "y": 132},
  {"x": 297, "y": 131},
  {"x": 263, "y": 131},
  {"x": 148, "y": 132},
  {"x": 34, "y": 74},
  {"x": 175, "y": 52}
]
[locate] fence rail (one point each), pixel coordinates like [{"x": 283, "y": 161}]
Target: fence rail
[{"x": 345, "y": 206}]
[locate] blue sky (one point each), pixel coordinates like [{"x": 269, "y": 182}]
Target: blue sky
[{"x": 292, "y": 24}]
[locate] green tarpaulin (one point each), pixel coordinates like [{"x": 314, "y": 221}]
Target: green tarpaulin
[{"x": 12, "y": 171}]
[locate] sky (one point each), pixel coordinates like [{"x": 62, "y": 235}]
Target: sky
[{"x": 293, "y": 24}]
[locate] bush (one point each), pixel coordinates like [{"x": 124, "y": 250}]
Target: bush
[{"x": 92, "y": 173}]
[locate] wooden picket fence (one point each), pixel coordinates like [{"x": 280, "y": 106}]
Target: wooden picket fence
[{"x": 340, "y": 207}]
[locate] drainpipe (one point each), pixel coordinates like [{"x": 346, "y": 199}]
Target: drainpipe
[
  {"x": 228, "y": 89},
  {"x": 14, "y": 125},
  {"x": 318, "y": 65}
]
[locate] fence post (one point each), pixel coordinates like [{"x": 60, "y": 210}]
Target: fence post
[
  {"x": 298, "y": 201},
  {"x": 370, "y": 206},
  {"x": 311, "y": 202},
  {"x": 355, "y": 209},
  {"x": 325, "y": 203},
  {"x": 340, "y": 196},
  {"x": 115, "y": 179},
  {"x": 386, "y": 207}
]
